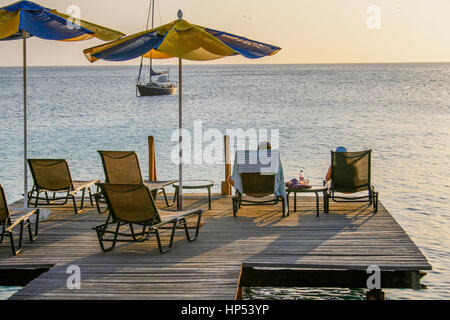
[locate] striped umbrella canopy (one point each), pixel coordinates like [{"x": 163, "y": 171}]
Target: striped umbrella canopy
[
  {"x": 183, "y": 40},
  {"x": 25, "y": 19}
]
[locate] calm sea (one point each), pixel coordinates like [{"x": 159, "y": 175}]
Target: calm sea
[{"x": 401, "y": 111}]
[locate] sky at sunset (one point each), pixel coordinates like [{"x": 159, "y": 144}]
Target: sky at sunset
[{"x": 308, "y": 31}]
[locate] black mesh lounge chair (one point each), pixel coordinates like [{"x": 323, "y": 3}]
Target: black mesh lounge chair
[
  {"x": 21, "y": 219},
  {"x": 133, "y": 204},
  {"x": 350, "y": 173},
  {"x": 53, "y": 175},
  {"x": 122, "y": 167},
  {"x": 258, "y": 189}
]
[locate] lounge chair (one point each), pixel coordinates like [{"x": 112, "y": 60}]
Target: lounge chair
[
  {"x": 122, "y": 167},
  {"x": 351, "y": 173},
  {"x": 53, "y": 175},
  {"x": 133, "y": 204},
  {"x": 21, "y": 219},
  {"x": 258, "y": 189}
]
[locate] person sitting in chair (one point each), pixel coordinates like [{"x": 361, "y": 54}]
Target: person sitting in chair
[
  {"x": 265, "y": 145},
  {"x": 338, "y": 149}
]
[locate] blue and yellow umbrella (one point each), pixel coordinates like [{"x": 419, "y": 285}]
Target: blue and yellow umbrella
[
  {"x": 25, "y": 19},
  {"x": 183, "y": 40}
]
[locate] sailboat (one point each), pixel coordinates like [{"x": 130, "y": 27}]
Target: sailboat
[{"x": 158, "y": 83}]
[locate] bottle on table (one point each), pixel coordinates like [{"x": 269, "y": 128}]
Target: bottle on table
[{"x": 301, "y": 178}]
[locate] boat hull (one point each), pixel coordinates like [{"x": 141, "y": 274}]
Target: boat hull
[{"x": 154, "y": 91}]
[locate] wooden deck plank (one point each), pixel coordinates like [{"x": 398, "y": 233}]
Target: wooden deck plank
[{"x": 350, "y": 237}]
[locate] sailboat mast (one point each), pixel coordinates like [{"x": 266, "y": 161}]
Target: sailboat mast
[
  {"x": 142, "y": 58},
  {"x": 153, "y": 21}
]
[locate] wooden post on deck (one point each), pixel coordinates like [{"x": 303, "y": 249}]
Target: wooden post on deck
[
  {"x": 375, "y": 294},
  {"x": 151, "y": 159},
  {"x": 226, "y": 187},
  {"x": 239, "y": 295}
]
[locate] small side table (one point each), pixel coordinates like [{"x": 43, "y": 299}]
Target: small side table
[
  {"x": 316, "y": 190},
  {"x": 194, "y": 184}
]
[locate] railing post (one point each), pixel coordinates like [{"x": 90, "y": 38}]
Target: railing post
[
  {"x": 151, "y": 159},
  {"x": 226, "y": 187},
  {"x": 375, "y": 294},
  {"x": 239, "y": 294}
]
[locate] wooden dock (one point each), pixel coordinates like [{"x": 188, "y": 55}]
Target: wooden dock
[{"x": 257, "y": 248}]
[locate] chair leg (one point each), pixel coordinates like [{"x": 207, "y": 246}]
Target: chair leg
[
  {"x": 175, "y": 197},
  {"x": 67, "y": 197},
  {"x": 144, "y": 227},
  {"x": 142, "y": 237},
  {"x": 21, "y": 234},
  {"x": 90, "y": 197},
  {"x": 188, "y": 237},
  {"x": 13, "y": 248},
  {"x": 37, "y": 199},
  {"x": 375, "y": 201},
  {"x": 209, "y": 198},
  {"x": 74, "y": 204},
  {"x": 107, "y": 221},
  {"x": 373, "y": 198},
  {"x": 166, "y": 199},
  {"x": 317, "y": 204},
  {"x": 30, "y": 195},
  {"x": 3, "y": 234},
  {"x": 235, "y": 206},
  {"x": 82, "y": 198},
  {"x": 158, "y": 239},
  {"x": 25, "y": 223},
  {"x": 97, "y": 197},
  {"x": 287, "y": 201},
  {"x": 327, "y": 196},
  {"x": 101, "y": 234},
  {"x": 11, "y": 238},
  {"x": 30, "y": 232}
]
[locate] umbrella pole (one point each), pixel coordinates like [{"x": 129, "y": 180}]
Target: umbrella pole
[
  {"x": 180, "y": 133},
  {"x": 25, "y": 141}
]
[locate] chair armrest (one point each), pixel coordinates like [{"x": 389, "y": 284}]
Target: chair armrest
[
  {"x": 171, "y": 216},
  {"x": 21, "y": 216},
  {"x": 80, "y": 185}
]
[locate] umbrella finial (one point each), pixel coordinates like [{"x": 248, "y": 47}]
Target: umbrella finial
[{"x": 180, "y": 14}]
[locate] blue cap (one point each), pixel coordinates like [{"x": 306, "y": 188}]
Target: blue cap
[{"x": 341, "y": 149}]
